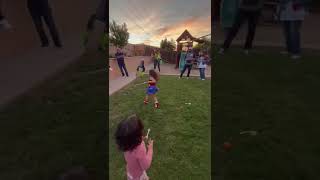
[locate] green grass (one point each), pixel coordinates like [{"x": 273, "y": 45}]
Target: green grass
[
  {"x": 59, "y": 124},
  {"x": 275, "y": 96},
  {"x": 181, "y": 132}
]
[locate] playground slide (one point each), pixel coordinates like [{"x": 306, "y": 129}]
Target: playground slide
[
  {"x": 182, "y": 61},
  {"x": 70, "y": 17}
]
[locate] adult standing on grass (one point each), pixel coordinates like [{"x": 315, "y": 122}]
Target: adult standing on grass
[
  {"x": 291, "y": 14},
  {"x": 228, "y": 12},
  {"x": 120, "y": 59},
  {"x": 41, "y": 9},
  {"x": 249, "y": 10},
  {"x": 190, "y": 57}
]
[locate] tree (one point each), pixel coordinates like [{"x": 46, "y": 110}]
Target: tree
[
  {"x": 168, "y": 45},
  {"x": 205, "y": 46},
  {"x": 119, "y": 34}
]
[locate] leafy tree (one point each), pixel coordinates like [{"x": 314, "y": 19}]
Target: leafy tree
[
  {"x": 168, "y": 45},
  {"x": 119, "y": 34},
  {"x": 205, "y": 46}
]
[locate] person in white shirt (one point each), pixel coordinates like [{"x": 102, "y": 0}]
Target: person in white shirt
[
  {"x": 291, "y": 13},
  {"x": 202, "y": 64}
]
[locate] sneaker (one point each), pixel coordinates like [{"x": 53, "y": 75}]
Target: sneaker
[
  {"x": 246, "y": 52},
  {"x": 202, "y": 79},
  {"x": 295, "y": 56},
  {"x": 179, "y": 77},
  {"x": 221, "y": 51},
  {"x": 156, "y": 105}
]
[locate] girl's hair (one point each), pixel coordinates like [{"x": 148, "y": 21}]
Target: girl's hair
[
  {"x": 154, "y": 74},
  {"x": 129, "y": 133}
]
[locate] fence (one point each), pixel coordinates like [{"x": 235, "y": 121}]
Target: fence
[{"x": 169, "y": 56}]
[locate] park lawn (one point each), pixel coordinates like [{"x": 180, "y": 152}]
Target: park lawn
[
  {"x": 275, "y": 96},
  {"x": 57, "y": 125},
  {"x": 181, "y": 133}
]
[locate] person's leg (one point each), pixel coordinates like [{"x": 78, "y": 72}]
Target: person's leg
[
  {"x": 156, "y": 102},
  {"x": 48, "y": 18},
  {"x": 286, "y": 32},
  {"x": 252, "y": 24},
  {"x": 184, "y": 69},
  {"x": 125, "y": 69},
  {"x": 159, "y": 65},
  {"x": 39, "y": 27},
  {"x": 234, "y": 30},
  {"x": 200, "y": 71},
  {"x": 295, "y": 31},
  {"x": 189, "y": 70},
  {"x": 146, "y": 99},
  {"x": 120, "y": 67},
  {"x": 154, "y": 64},
  {"x": 204, "y": 73}
]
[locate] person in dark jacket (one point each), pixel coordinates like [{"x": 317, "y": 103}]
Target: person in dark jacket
[
  {"x": 120, "y": 59},
  {"x": 40, "y": 9}
]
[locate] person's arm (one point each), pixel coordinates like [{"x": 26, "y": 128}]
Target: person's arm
[{"x": 144, "y": 156}]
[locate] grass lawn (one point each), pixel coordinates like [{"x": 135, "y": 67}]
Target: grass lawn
[
  {"x": 57, "y": 125},
  {"x": 275, "y": 96},
  {"x": 181, "y": 133}
]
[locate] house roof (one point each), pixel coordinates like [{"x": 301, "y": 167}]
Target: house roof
[{"x": 185, "y": 35}]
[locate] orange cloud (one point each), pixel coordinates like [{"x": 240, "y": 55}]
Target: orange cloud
[{"x": 195, "y": 25}]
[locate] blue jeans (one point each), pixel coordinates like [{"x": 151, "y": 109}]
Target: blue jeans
[
  {"x": 292, "y": 36},
  {"x": 202, "y": 74},
  {"x": 122, "y": 67}
]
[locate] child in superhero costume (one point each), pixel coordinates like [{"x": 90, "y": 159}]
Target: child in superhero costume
[{"x": 152, "y": 88}]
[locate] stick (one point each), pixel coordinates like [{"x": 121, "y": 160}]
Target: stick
[{"x": 147, "y": 136}]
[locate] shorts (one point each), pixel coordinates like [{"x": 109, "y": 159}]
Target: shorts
[{"x": 152, "y": 90}]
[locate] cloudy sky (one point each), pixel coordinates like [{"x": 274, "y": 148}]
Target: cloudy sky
[{"x": 150, "y": 21}]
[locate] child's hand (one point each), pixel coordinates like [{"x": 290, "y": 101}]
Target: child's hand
[{"x": 150, "y": 143}]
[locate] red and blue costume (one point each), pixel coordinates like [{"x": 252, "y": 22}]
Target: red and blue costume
[{"x": 152, "y": 88}]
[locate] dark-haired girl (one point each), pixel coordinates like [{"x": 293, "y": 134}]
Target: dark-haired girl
[
  {"x": 152, "y": 88},
  {"x": 129, "y": 138}
]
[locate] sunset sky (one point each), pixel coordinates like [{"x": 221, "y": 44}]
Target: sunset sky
[{"x": 150, "y": 21}]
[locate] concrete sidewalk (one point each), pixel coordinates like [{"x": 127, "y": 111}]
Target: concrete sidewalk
[
  {"x": 166, "y": 69},
  {"x": 20, "y": 73}
]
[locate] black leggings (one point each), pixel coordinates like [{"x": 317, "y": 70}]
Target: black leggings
[
  {"x": 156, "y": 63},
  {"x": 189, "y": 66}
]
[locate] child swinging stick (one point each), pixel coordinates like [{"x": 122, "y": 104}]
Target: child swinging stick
[{"x": 152, "y": 88}]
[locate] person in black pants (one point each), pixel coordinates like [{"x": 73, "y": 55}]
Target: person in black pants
[
  {"x": 190, "y": 57},
  {"x": 120, "y": 59},
  {"x": 249, "y": 10},
  {"x": 40, "y": 9}
]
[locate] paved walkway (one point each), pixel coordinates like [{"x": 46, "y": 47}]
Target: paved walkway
[
  {"x": 272, "y": 35},
  {"x": 166, "y": 69},
  {"x": 22, "y": 72}
]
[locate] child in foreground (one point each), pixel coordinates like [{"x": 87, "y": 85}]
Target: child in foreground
[
  {"x": 129, "y": 138},
  {"x": 152, "y": 88}
]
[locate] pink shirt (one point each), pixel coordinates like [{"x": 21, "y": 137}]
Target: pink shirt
[{"x": 138, "y": 160}]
